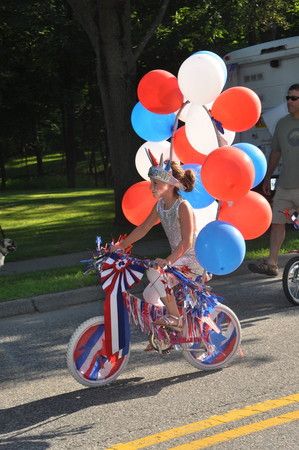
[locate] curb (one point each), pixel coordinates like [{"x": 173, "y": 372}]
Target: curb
[
  {"x": 50, "y": 302},
  {"x": 146, "y": 249},
  {"x": 59, "y": 300}
]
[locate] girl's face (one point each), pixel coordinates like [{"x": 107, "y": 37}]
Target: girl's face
[{"x": 160, "y": 189}]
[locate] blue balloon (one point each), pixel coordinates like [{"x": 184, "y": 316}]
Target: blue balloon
[
  {"x": 217, "y": 57},
  {"x": 199, "y": 196},
  {"x": 258, "y": 159},
  {"x": 220, "y": 247},
  {"x": 151, "y": 126}
]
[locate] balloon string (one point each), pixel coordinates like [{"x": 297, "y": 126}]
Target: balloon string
[
  {"x": 218, "y": 136},
  {"x": 218, "y": 209},
  {"x": 175, "y": 127}
]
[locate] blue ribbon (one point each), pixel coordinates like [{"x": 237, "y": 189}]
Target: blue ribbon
[{"x": 218, "y": 125}]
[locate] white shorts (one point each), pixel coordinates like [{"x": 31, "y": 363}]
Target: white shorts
[{"x": 157, "y": 286}]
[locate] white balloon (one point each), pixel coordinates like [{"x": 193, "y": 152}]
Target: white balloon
[
  {"x": 157, "y": 148},
  {"x": 200, "y": 78},
  {"x": 229, "y": 136},
  {"x": 200, "y": 130},
  {"x": 184, "y": 112},
  {"x": 209, "y": 105},
  {"x": 203, "y": 216}
]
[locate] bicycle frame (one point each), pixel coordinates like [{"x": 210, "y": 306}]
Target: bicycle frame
[
  {"x": 119, "y": 271},
  {"x": 99, "y": 348}
]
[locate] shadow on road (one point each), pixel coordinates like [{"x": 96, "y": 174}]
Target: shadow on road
[
  {"x": 39, "y": 442},
  {"x": 41, "y": 411}
]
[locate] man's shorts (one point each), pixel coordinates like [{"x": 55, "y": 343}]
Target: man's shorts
[{"x": 282, "y": 200}]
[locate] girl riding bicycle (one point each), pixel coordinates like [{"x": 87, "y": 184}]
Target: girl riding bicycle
[{"x": 178, "y": 220}]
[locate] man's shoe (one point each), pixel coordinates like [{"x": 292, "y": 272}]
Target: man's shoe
[{"x": 271, "y": 270}]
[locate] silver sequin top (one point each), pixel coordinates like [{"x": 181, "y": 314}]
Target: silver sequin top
[{"x": 171, "y": 224}]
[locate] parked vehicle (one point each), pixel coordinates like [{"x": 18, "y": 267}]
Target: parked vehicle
[{"x": 268, "y": 69}]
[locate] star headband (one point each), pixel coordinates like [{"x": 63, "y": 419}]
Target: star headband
[{"x": 162, "y": 171}]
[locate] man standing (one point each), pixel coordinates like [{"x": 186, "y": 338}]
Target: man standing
[{"x": 285, "y": 146}]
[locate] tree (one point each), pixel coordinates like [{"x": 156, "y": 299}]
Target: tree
[
  {"x": 108, "y": 26},
  {"x": 51, "y": 65},
  {"x": 47, "y": 61}
]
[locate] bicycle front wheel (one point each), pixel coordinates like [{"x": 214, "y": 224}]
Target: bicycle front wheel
[
  {"x": 86, "y": 359},
  {"x": 203, "y": 353},
  {"x": 290, "y": 280}
]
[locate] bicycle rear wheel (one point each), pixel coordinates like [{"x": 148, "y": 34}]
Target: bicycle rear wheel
[
  {"x": 290, "y": 280},
  {"x": 219, "y": 348},
  {"x": 86, "y": 360}
]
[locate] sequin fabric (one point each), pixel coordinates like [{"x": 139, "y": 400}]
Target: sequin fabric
[{"x": 171, "y": 225}]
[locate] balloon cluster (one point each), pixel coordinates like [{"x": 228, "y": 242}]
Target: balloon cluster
[{"x": 190, "y": 118}]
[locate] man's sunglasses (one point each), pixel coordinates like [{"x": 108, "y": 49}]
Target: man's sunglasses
[{"x": 292, "y": 97}]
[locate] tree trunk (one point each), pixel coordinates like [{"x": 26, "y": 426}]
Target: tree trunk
[
  {"x": 69, "y": 138},
  {"x": 116, "y": 74},
  {"x": 39, "y": 160},
  {"x": 105, "y": 159},
  {"x": 108, "y": 25}
]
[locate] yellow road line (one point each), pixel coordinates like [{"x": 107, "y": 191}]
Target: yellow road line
[
  {"x": 240, "y": 431},
  {"x": 213, "y": 421}
]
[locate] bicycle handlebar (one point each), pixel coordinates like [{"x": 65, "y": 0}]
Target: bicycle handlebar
[{"x": 95, "y": 263}]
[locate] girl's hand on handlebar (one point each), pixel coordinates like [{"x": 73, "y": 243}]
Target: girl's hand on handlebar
[
  {"x": 161, "y": 262},
  {"x": 116, "y": 246},
  {"x": 119, "y": 245}
]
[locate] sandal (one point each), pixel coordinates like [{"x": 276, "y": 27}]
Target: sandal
[
  {"x": 169, "y": 321},
  {"x": 264, "y": 268},
  {"x": 149, "y": 348}
]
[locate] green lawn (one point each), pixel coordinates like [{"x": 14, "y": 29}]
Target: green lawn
[
  {"x": 22, "y": 174},
  {"x": 63, "y": 221},
  {"x": 259, "y": 248},
  {"x": 44, "y": 282},
  {"x": 56, "y": 222}
]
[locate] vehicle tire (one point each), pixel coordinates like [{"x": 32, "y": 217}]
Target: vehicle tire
[
  {"x": 85, "y": 361},
  {"x": 196, "y": 352},
  {"x": 290, "y": 280}
]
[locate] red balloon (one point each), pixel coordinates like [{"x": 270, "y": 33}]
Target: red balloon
[
  {"x": 238, "y": 108},
  {"x": 137, "y": 202},
  {"x": 184, "y": 150},
  {"x": 251, "y": 214},
  {"x": 227, "y": 173},
  {"x": 158, "y": 91}
]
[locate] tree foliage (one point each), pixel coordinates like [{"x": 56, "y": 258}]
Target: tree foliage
[{"x": 70, "y": 67}]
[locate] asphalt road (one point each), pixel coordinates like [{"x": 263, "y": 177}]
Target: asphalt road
[{"x": 156, "y": 398}]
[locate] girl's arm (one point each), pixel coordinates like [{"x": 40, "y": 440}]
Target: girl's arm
[
  {"x": 140, "y": 231},
  {"x": 187, "y": 230}
]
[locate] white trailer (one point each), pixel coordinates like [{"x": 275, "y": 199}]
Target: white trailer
[{"x": 268, "y": 69}]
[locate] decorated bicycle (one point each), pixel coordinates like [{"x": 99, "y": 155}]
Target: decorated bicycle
[
  {"x": 100, "y": 348},
  {"x": 205, "y": 207}
]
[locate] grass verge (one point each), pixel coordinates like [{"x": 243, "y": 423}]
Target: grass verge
[
  {"x": 44, "y": 282},
  {"x": 259, "y": 248},
  {"x": 56, "y": 222},
  {"x": 59, "y": 221}
]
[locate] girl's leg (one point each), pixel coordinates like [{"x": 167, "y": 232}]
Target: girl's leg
[
  {"x": 170, "y": 303},
  {"x": 160, "y": 287},
  {"x": 151, "y": 296}
]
